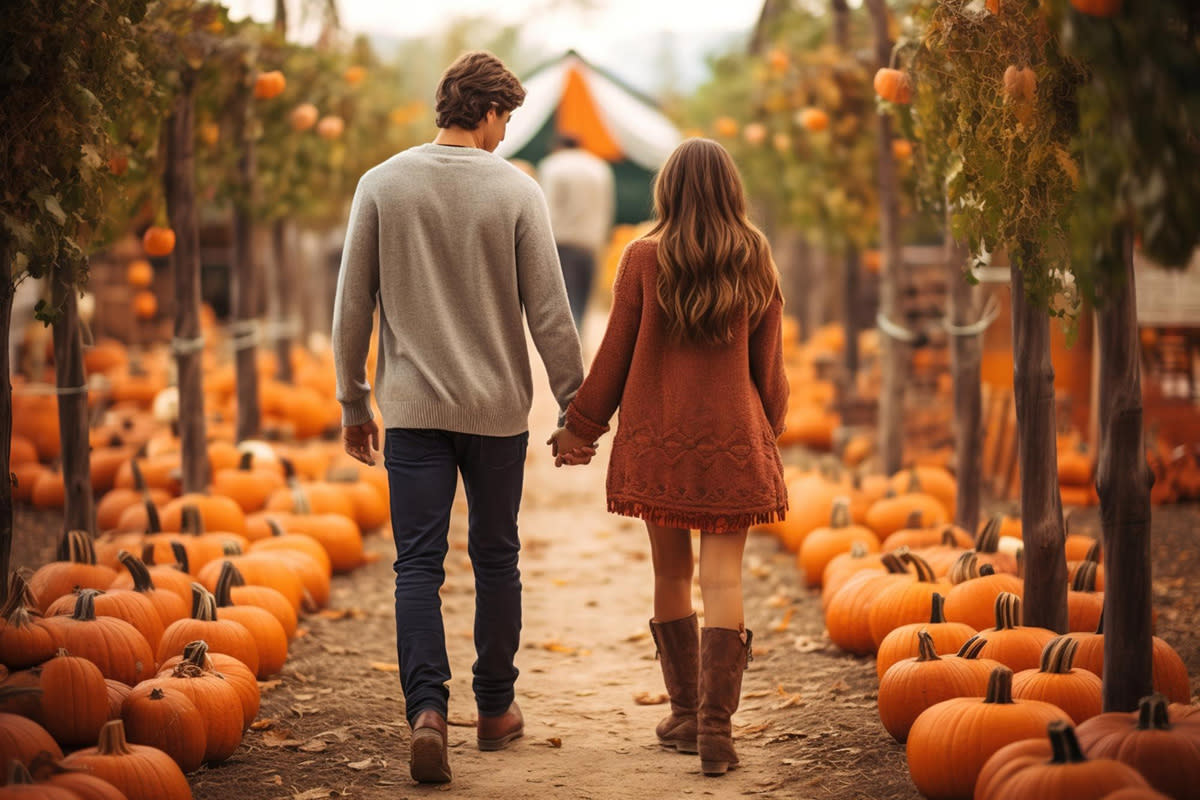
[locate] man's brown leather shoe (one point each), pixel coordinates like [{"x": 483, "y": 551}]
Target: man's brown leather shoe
[
  {"x": 428, "y": 757},
  {"x": 495, "y": 733}
]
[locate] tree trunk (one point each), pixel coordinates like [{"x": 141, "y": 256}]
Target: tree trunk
[
  {"x": 1123, "y": 482},
  {"x": 72, "y": 409},
  {"x": 891, "y": 352},
  {"x": 1045, "y": 601},
  {"x": 245, "y": 276},
  {"x": 852, "y": 323},
  {"x": 281, "y": 17},
  {"x": 283, "y": 300},
  {"x": 6, "y": 413},
  {"x": 841, "y": 23},
  {"x": 966, "y": 353},
  {"x": 188, "y": 346}
]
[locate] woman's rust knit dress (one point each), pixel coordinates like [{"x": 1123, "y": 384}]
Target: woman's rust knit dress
[{"x": 695, "y": 444}]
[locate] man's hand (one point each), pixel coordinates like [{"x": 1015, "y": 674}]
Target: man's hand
[
  {"x": 362, "y": 441},
  {"x": 570, "y": 449}
]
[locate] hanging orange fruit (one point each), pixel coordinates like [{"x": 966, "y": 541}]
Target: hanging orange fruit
[
  {"x": 902, "y": 149},
  {"x": 139, "y": 274},
  {"x": 303, "y": 116},
  {"x": 814, "y": 119},
  {"x": 354, "y": 75},
  {"x": 726, "y": 127},
  {"x": 145, "y": 304},
  {"x": 158, "y": 241},
  {"x": 210, "y": 133},
  {"x": 269, "y": 84},
  {"x": 779, "y": 61},
  {"x": 1097, "y": 8},
  {"x": 893, "y": 85},
  {"x": 330, "y": 127}
]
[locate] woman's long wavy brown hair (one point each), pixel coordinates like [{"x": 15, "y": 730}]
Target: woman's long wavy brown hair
[{"x": 714, "y": 264}]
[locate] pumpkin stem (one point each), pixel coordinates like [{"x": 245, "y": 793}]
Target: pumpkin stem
[
  {"x": 153, "y": 520},
  {"x": 915, "y": 520},
  {"x": 112, "y": 740},
  {"x": 999, "y": 686},
  {"x": 926, "y": 651},
  {"x": 986, "y": 569},
  {"x": 892, "y": 563},
  {"x": 1058, "y": 655},
  {"x": 139, "y": 480},
  {"x": 1093, "y": 552},
  {"x": 972, "y": 647},
  {"x": 937, "y": 614},
  {"x": 289, "y": 470},
  {"x": 156, "y": 693},
  {"x": 914, "y": 482},
  {"x": 246, "y": 462},
  {"x": 965, "y": 567},
  {"x": 142, "y": 580},
  {"x": 1064, "y": 743},
  {"x": 1008, "y": 610},
  {"x": 204, "y": 605},
  {"x": 988, "y": 540},
  {"x": 225, "y": 583},
  {"x": 196, "y": 653},
  {"x": 19, "y": 595},
  {"x": 1152, "y": 713},
  {"x": 1085, "y": 576},
  {"x": 839, "y": 517},
  {"x": 1100, "y": 623},
  {"x": 192, "y": 521},
  {"x": 18, "y": 774},
  {"x": 85, "y": 605},
  {"x": 180, "y": 554},
  {"x": 923, "y": 570},
  {"x": 77, "y": 547},
  {"x": 948, "y": 537},
  {"x": 858, "y": 550}
]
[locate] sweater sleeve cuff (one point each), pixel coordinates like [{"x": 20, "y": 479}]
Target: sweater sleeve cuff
[
  {"x": 357, "y": 412},
  {"x": 583, "y": 427}
]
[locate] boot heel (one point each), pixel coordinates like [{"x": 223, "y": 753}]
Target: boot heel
[{"x": 714, "y": 769}]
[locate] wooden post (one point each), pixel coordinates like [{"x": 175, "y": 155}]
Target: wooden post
[
  {"x": 72, "y": 408},
  {"x": 181, "y": 206},
  {"x": 1123, "y": 482},
  {"x": 1045, "y": 601},
  {"x": 966, "y": 356},
  {"x": 891, "y": 352},
  {"x": 283, "y": 300},
  {"x": 245, "y": 276},
  {"x": 850, "y": 316},
  {"x": 6, "y": 412}
]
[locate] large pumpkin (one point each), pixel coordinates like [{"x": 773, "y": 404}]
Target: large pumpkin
[
  {"x": 1166, "y": 752},
  {"x": 1076, "y": 691},
  {"x": 142, "y": 773},
  {"x": 905, "y": 641}
]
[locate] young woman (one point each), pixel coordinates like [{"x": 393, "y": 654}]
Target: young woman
[{"x": 693, "y": 357}]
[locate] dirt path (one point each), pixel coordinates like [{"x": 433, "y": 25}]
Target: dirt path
[{"x": 332, "y": 725}]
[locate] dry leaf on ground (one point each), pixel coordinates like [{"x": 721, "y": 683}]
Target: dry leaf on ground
[
  {"x": 648, "y": 699},
  {"x": 385, "y": 666}
]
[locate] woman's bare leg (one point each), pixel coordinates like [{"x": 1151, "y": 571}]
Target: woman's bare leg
[
  {"x": 671, "y": 552},
  {"x": 721, "y": 578}
]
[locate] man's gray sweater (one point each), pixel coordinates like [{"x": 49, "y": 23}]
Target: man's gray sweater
[{"x": 453, "y": 244}]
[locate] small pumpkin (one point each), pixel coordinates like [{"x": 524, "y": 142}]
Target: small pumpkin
[
  {"x": 141, "y": 772},
  {"x": 904, "y": 603},
  {"x": 74, "y": 699},
  {"x": 823, "y": 544},
  {"x": 116, "y": 647},
  {"x": 1076, "y": 691},
  {"x": 76, "y": 567},
  {"x": 1015, "y": 645},
  {"x": 267, "y": 632},
  {"x": 166, "y": 718},
  {"x": 951, "y": 741},
  {"x": 1084, "y": 603},
  {"x": 1165, "y": 752},
  {"x": 893, "y": 85},
  {"x": 905, "y": 641},
  {"x": 1025, "y": 772},
  {"x": 222, "y": 635},
  {"x": 133, "y": 607},
  {"x": 972, "y": 596},
  {"x": 25, "y": 639},
  {"x": 228, "y": 668},
  {"x": 813, "y": 119},
  {"x": 847, "y": 617},
  {"x": 217, "y": 701},
  {"x": 166, "y": 603}
]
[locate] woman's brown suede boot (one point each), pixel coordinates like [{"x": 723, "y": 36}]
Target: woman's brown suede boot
[
  {"x": 678, "y": 644},
  {"x": 724, "y": 654}
]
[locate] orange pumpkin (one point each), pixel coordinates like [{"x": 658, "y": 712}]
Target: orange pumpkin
[
  {"x": 223, "y": 635},
  {"x": 139, "y": 274},
  {"x": 138, "y": 771},
  {"x": 1161, "y": 746},
  {"x": 1016, "y": 646},
  {"x": 76, "y": 567},
  {"x": 74, "y": 699},
  {"x": 823, "y": 544},
  {"x": 1076, "y": 691},
  {"x": 1097, "y": 8},
  {"x": 904, "y": 641},
  {"x": 270, "y": 84},
  {"x": 893, "y": 85},
  {"x": 166, "y": 718},
  {"x": 25, "y": 639},
  {"x": 116, "y": 647}
]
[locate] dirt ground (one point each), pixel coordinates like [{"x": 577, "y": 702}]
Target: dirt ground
[{"x": 332, "y": 724}]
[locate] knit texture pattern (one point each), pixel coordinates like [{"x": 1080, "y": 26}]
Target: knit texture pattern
[
  {"x": 696, "y": 437},
  {"x": 452, "y": 246}
]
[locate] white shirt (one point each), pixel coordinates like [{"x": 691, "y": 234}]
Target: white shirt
[{"x": 579, "y": 191}]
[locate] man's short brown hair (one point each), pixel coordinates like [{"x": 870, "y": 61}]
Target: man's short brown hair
[{"x": 473, "y": 84}]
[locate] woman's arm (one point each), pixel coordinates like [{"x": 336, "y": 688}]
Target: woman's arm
[{"x": 766, "y": 364}]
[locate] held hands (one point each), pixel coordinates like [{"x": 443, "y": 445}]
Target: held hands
[
  {"x": 570, "y": 449},
  {"x": 362, "y": 441}
]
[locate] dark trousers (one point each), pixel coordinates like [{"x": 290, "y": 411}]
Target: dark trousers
[
  {"x": 579, "y": 270},
  {"x": 423, "y": 467}
]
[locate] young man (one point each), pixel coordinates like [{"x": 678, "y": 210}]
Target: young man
[
  {"x": 453, "y": 245},
  {"x": 579, "y": 190}
]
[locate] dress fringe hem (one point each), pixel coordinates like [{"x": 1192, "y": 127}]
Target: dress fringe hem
[{"x": 695, "y": 520}]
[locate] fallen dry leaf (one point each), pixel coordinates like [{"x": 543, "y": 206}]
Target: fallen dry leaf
[
  {"x": 366, "y": 763},
  {"x": 385, "y": 666},
  {"x": 280, "y": 737},
  {"x": 756, "y": 693},
  {"x": 266, "y": 686},
  {"x": 300, "y": 633},
  {"x": 275, "y": 780},
  {"x": 312, "y": 794},
  {"x": 839, "y": 686},
  {"x": 461, "y": 722},
  {"x": 752, "y": 730},
  {"x": 262, "y": 724},
  {"x": 779, "y": 601},
  {"x": 648, "y": 699},
  {"x": 638, "y": 637},
  {"x": 314, "y": 746},
  {"x": 782, "y": 625},
  {"x": 788, "y": 702}
]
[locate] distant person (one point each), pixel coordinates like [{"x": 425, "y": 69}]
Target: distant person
[
  {"x": 693, "y": 356},
  {"x": 579, "y": 190},
  {"x": 453, "y": 245}
]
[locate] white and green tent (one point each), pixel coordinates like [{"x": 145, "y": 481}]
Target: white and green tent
[{"x": 612, "y": 120}]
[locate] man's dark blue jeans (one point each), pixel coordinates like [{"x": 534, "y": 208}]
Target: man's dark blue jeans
[{"x": 423, "y": 467}]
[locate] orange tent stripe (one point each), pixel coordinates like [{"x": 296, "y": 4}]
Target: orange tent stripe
[{"x": 577, "y": 116}]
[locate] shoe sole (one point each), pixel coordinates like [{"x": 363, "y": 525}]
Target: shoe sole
[
  {"x": 715, "y": 769},
  {"x": 687, "y": 748},
  {"x": 427, "y": 762},
  {"x": 491, "y": 745}
]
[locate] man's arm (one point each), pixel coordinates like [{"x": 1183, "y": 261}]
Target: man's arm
[
  {"x": 354, "y": 306},
  {"x": 544, "y": 297}
]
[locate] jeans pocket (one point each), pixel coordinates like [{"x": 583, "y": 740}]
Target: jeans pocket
[{"x": 502, "y": 452}]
